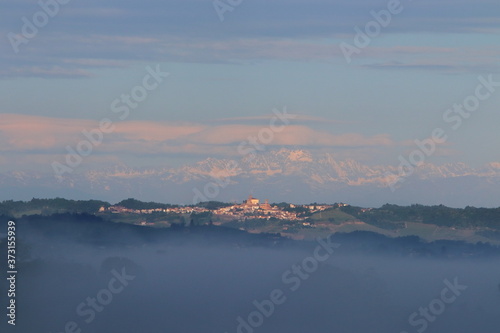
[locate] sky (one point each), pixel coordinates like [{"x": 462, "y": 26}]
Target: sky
[{"x": 233, "y": 64}]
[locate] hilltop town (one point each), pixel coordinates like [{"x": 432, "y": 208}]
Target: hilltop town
[
  {"x": 250, "y": 209},
  {"x": 291, "y": 220}
]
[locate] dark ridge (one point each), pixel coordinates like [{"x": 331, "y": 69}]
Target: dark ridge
[{"x": 93, "y": 230}]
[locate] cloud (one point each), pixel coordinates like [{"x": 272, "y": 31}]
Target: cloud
[
  {"x": 66, "y": 55},
  {"x": 166, "y": 136},
  {"x": 437, "y": 59},
  {"x": 94, "y": 62},
  {"x": 23, "y": 133},
  {"x": 96, "y": 34},
  {"x": 45, "y": 71},
  {"x": 298, "y": 118},
  {"x": 144, "y": 131},
  {"x": 26, "y": 133},
  {"x": 436, "y": 66}
]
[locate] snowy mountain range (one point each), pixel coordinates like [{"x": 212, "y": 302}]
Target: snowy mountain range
[{"x": 282, "y": 175}]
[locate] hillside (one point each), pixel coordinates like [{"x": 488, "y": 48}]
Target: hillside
[{"x": 428, "y": 222}]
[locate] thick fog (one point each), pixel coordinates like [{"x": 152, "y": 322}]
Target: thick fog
[{"x": 189, "y": 282}]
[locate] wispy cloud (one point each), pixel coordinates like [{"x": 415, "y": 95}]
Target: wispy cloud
[
  {"x": 121, "y": 32},
  {"x": 22, "y": 133},
  {"x": 68, "y": 55},
  {"x": 48, "y": 71},
  {"x": 298, "y": 118},
  {"x": 436, "y": 66},
  {"x": 437, "y": 59}
]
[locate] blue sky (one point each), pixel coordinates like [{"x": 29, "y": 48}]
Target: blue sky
[{"x": 229, "y": 75}]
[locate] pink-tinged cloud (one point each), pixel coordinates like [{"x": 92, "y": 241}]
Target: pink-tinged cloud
[
  {"x": 24, "y": 132},
  {"x": 20, "y": 133},
  {"x": 155, "y": 132},
  {"x": 298, "y": 118},
  {"x": 306, "y": 136},
  {"x": 292, "y": 135}
]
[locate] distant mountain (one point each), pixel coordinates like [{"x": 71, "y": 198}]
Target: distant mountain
[{"x": 282, "y": 175}]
